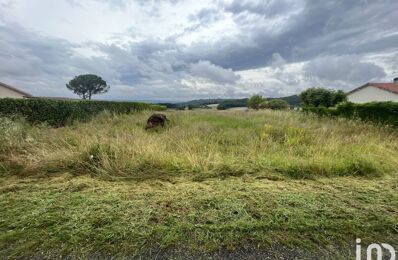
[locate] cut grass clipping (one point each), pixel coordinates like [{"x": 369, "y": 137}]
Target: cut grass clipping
[{"x": 211, "y": 180}]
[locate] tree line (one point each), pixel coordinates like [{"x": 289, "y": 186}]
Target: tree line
[{"x": 312, "y": 97}]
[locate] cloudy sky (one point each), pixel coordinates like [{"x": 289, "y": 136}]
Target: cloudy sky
[{"x": 175, "y": 50}]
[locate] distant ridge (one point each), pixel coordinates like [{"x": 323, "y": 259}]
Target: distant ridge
[{"x": 293, "y": 101}]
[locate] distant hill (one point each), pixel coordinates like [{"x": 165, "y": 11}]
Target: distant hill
[{"x": 293, "y": 101}]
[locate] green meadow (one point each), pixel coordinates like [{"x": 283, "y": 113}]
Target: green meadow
[{"x": 212, "y": 182}]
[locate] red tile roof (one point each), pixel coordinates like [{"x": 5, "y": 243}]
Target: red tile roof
[
  {"x": 391, "y": 87},
  {"x": 386, "y": 86}
]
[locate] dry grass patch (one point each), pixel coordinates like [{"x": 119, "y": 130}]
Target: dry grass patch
[{"x": 206, "y": 144}]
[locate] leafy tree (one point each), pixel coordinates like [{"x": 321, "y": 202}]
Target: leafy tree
[
  {"x": 321, "y": 97},
  {"x": 255, "y": 101},
  {"x": 275, "y": 104},
  {"x": 87, "y": 85},
  {"x": 339, "y": 97}
]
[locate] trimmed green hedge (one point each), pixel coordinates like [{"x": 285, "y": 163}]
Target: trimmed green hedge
[
  {"x": 376, "y": 112},
  {"x": 60, "y": 112}
]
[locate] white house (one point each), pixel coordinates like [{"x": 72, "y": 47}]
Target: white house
[
  {"x": 374, "y": 92},
  {"x": 6, "y": 91}
]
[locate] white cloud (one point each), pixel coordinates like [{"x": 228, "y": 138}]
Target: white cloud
[{"x": 277, "y": 60}]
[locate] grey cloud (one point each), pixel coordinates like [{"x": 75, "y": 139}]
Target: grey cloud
[
  {"x": 206, "y": 15},
  {"x": 311, "y": 28},
  {"x": 42, "y": 65},
  {"x": 146, "y": 2},
  {"x": 19, "y": 66},
  {"x": 347, "y": 69},
  {"x": 118, "y": 4},
  {"x": 205, "y": 69},
  {"x": 268, "y": 7}
]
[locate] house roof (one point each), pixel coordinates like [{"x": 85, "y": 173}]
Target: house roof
[
  {"x": 15, "y": 89},
  {"x": 390, "y": 87}
]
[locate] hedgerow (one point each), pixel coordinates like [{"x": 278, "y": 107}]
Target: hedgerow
[
  {"x": 60, "y": 112},
  {"x": 376, "y": 112}
]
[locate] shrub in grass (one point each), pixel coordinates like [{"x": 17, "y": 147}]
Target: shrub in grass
[
  {"x": 221, "y": 107},
  {"x": 275, "y": 104},
  {"x": 321, "y": 97},
  {"x": 255, "y": 101}
]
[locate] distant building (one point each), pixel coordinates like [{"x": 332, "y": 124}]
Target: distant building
[
  {"x": 374, "y": 92},
  {"x": 6, "y": 91}
]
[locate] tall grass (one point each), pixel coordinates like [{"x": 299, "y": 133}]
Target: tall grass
[
  {"x": 64, "y": 192},
  {"x": 202, "y": 144}
]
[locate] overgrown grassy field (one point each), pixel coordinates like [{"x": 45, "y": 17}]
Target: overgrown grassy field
[{"x": 273, "y": 183}]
